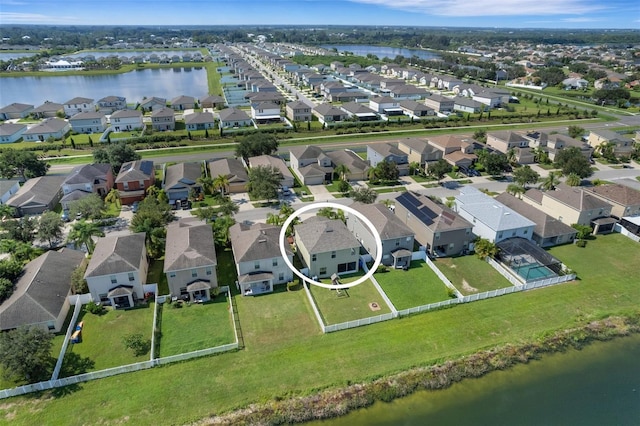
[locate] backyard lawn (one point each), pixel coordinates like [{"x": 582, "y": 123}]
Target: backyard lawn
[
  {"x": 195, "y": 326},
  {"x": 102, "y": 336},
  {"x": 353, "y": 304},
  {"x": 415, "y": 287},
  {"x": 471, "y": 275},
  {"x": 286, "y": 354},
  {"x": 155, "y": 275}
]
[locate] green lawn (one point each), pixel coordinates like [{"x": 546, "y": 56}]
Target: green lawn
[
  {"x": 334, "y": 186},
  {"x": 195, "y": 326},
  {"x": 478, "y": 275},
  {"x": 421, "y": 179},
  {"x": 353, "y": 305},
  {"x": 57, "y": 341},
  {"x": 102, "y": 336},
  {"x": 286, "y": 355},
  {"x": 416, "y": 287},
  {"x": 155, "y": 275}
]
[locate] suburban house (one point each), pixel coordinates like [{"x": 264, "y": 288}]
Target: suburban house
[
  {"x": 385, "y": 105},
  {"x": 359, "y": 111},
  {"x": 110, "y": 104},
  {"x": 442, "y": 231},
  {"x": 397, "y": 237},
  {"x": 506, "y": 140},
  {"x": 190, "y": 260},
  {"x": 298, "y": 111},
  {"x": 276, "y": 162},
  {"x": 212, "y": 101},
  {"x": 47, "y": 110},
  {"x": 310, "y": 164},
  {"x": 199, "y": 121},
  {"x": 358, "y": 168},
  {"x": 257, "y": 97},
  {"x": 11, "y": 132},
  {"x": 181, "y": 181},
  {"x": 181, "y": 103},
  {"x": 415, "y": 109},
  {"x": 622, "y": 145},
  {"x": 125, "y": 120},
  {"x": 327, "y": 247},
  {"x": 463, "y": 104},
  {"x": 78, "y": 104},
  {"x": 386, "y": 152},
  {"x": 7, "y": 189},
  {"x": 574, "y": 83},
  {"x": 492, "y": 98},
  {"x": 163, "y": 119},
  {"x": 455, "y": 149},
  {"x": 419, "y": 151},
  {"x": 15, "y": 111},
  {"x": 408, "y": 91},
  {"x": 233, "y": 170},
  {"x": 572, "y": 205},
  {"x": 117, "y": 270},
  {"x": 85, "y": 180},
  {"x": 133, "y": 180},
  {"x": 153, "y": 104},
  {"x": 327, "y": 113},
  {"x": 88, "y": 122},
  {"x": 548, "y": 231},
  {"x": 491, "y": 219},
  {"x": 625, "y": 201},
  {"x": 264, "y": 112},
  {"x": 49, "y": 128},
  {"x": 233, "y": 117},
  {"x": 37, "y": 195},
  {"x": 40, "y": 298},
  {"x": 259, "y": 263},
  {"x": 555, "y": 143},
  {"x": 440, "y": 103}
]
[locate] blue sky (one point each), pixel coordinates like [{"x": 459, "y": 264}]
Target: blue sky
[{"x": 436, "y": 13}]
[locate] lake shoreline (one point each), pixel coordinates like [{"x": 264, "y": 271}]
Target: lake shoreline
[{"x": 338, "y": 402}]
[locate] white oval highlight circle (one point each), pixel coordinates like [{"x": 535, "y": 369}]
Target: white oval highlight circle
[{"x": 315, "y": 206}]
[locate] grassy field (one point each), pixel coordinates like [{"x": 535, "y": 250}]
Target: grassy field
[
  {"x": 415, "y": 287},
  {"x": 286, "y": 355},
  {"x": 155, "y": 275},
  {"x": 195, "y": 326},
  {"x": 102, "y": 336},
  {"x": 478, "y": 275},
  {"x": 352, "y": 305}
]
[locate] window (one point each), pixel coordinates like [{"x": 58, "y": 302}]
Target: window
[
  {"x": 526, "y": 231},
  {"x": 397, "y": 243},
  {"x": 172, "y": 274},
  {"x": 274, "y": 262},
  {"x": 468, "y": 231},
  {"x": 208, "y": 270},
  {"x": 256, "y": 264},
  {"x": 323, "y": 270},
  {"x": 333, "y": 254},
  {"x": 131, "y": 276},
  {"x": 281, "y": 276},
  {"x": 437, "y": 236},
  {"x": 113, "y": 279},
  {"x": 513, "y": 234},
  {"x": 313, "y": 257},
  {"x": 103, "y": 297},
  {"x": 125, "y": 185},
  {"x": 51, "y": 326},
  {"x": 500, "y": 235},
  {"x": 194, "y": 273}
]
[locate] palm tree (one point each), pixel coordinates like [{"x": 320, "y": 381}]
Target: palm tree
[
  {"x": 516, "y": 190},
  {"x": 113, "y": 197},
  {"x": 550, "y": 182},
  {"x": 341, "y": 171},
  {"x": 511, "y": 156},
  {"x": 388, "y": 203},
  {"x": 274, "y": 219},
  {"x": 207, "y": 183},
  {"x": 6, "y": 212},
  {"x": 83, "y": 232},
  {"x": 573, "y": 180},
  {"x": 221, "y": 182}
]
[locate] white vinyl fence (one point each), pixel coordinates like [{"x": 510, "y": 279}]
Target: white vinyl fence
[
  {"x": 313, "y": 305},
  {"x": 358, "y": 323},
  {"x": 72, "y": 326},
  {"x": 621, "y": 229}
]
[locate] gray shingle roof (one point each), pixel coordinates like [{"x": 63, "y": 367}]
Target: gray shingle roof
[
  {"x": 48, "y": 107},
  {"x": 199, "y": 118},
  {"x": 88, "y": 173},
  {"x": 41, "y": 290},
  {"x": 386, "y": 149},
  {"x": 79, "y": 100},
  {"x": 8, "y": 129},
  {"x": 348, "y": 158},
  {"x": 575, "y": 198},
  {"x": 135, "y": 170},
  {"x": 50, "y": 125},
  {"x": 546, "y": 226},
  {"x": 617, "y": 193},
  {"x": 116, "y": 254},
  {"x": 233, "y": 114},
  {"x": 41, "y": 190},
  {"x": 255, "y": 242},
  {"x": 321, "y": 236},
  {"x": 189, "y": 245},
  {"x": 126, "y": 113},
  {"x": 232, "y": 168},
  {"x": 163, "y": 112},
  {"x": 15, "y": 108},
  {"x": 182, "y": 174},
  {"x": 88, "y": 115},
  {"x": 306, "y": 152},
  {"x": 386, "y": 222}
]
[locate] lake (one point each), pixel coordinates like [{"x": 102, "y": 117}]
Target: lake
[
  {"x": 382, "y": 51},
  {"x": 165, "y": 83},
  {"x": 5, "y": 56},
  {"x": 599, "y": 385}
]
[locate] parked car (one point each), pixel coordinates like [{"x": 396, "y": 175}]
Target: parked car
[
  {"x": 65, "y": 217},
  {"x": 134, "y": 207}
]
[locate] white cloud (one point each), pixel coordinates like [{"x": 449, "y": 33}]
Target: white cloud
[
  {"x": 490, "y": 7},
  {"x": 580, "y": 19},
  {"x": 35, "y": 18}
]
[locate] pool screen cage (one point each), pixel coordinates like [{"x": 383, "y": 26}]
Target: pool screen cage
[{"x": 524, "y": 256}]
